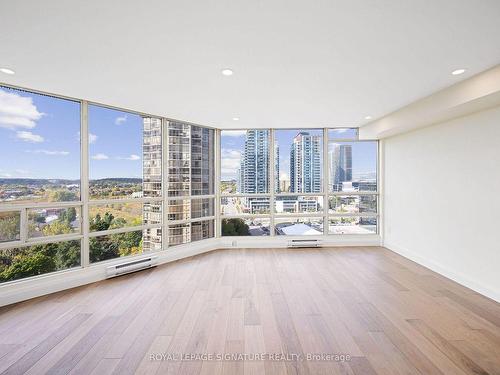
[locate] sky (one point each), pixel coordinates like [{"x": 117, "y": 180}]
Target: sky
[
  {"x": 39, "y": 138},
  {"x": 233, "y": 141}
]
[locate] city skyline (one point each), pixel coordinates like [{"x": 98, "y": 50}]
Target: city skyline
[{"x": 364, "y": 161}]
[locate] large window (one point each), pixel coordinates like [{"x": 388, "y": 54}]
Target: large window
[
  {"x": 245, "y": 182},
  {"x": 324, "y": 181},
  {"x": 122, "y": 170},
  {"x": 140, "y": 183},
  {"x": 352, "y": 183},
  {"x": 191, "y": 180},
  {"x": 39, "y": 174}
]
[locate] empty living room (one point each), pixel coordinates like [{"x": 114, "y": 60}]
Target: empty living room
[{"x": 250, "y": 187}]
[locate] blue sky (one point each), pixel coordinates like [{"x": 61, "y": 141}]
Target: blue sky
[
  {"x": 39, "y": 138},
  {"x": 232, "y": 143}
]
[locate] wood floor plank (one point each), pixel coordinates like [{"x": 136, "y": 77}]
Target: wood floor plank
[
  {"x": 459, "y": 358},
  {"x": 28, "y": 360},
  {"x": 389, "y": 314}
]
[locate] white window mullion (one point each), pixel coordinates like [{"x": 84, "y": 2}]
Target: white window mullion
[
  {"x": 326, "y": 183},
  {"x": 271, "y": 182},
  {"x": 164, "y": 183},
  {"x": 84, "y": 185},
  {"x": 218, "y": 222}
]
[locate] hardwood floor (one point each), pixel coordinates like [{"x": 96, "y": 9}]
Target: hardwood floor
[{"x": 388, "y": 314}]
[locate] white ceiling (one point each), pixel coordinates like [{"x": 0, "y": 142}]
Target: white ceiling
[{"x": 297, "y": 63}]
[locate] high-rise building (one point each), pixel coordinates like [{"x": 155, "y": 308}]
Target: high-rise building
[
  {"x": 202, "y": 161},
  {"x": 254, "y": 168},
  {"x": 340, "y": 157},
  {"x": 151, "y": 181},
  {"x": 305, "y": 163}
]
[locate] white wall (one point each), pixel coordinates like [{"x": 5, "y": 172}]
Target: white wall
[{"x": 442, "y": 199}]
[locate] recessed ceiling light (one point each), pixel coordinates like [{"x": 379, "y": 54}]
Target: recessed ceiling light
[
  {"x": 458, "y": 71},
  {"x": 7, "y": 71},
  {"x": 236, "y": 119},
  {"x": 227, "y": 72},
  {"x": 368, "y": 117}
]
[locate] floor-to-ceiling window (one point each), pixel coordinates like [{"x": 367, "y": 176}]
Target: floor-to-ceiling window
[
  {"x": 125, "y": 183},
  {"x": 352, "y": 183},
  {"x": 82, "y": 183},
  {"x": 191, "y": 181},
  {"x": 298, "y": 182},
  {"x": 245, "y": 182},
  {"x": 40, "y": 207}
]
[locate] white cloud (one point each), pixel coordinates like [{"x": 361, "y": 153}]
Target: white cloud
[
  {"x": 22, "y": 171},
  {"x": 230, "y": 161},
  {"x": 100, "y": 157},
  {"x": 120, "y": 120},
  {"x": 17, "y": 111},
  {"x": 92, "y": 138},
  {"x": 233, "y": 133},
  {"x": 5, "y": 175},
  {"x": 29, "y": 137},
  {"x": 49, "y": 152},
  {"x": 284, "y": 176},
  {"x": 131, "y": 157}
]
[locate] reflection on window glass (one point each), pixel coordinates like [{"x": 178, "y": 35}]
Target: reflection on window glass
[
  {"x": 343, "y": 133},
  {"x": 21, "y": 262},
  {"x": 53, "y": 221},
  {"x": 201, "y": 230},
  {"x": 179, "y": 234},
  {"x": 202, "y": 161},
  {"x": 115, "y": 215},
  {"x": 115, "y": 165},
  {"x": 245, "y": 161},
  {"x": 42, "y": 132},
  {"x": 115, "y": 245},
  {"x": 179, "y": 209},
  {"x": 202, "y": 207},
  {"x": 151, "y": 155},
  {"x": 9, "y": 226},
  {"x": 245, "y": 205},
  {"x": 353, "y": 204},
  {"x": 151, "y": 240},
  {"x": 179, "y": 159},
  {"x": 353, "y": 166},
  {"x": 298, "y": 204},
  {"x": 298, "y": 161},
  {"x": 245, "y": 227},
  {"x": 353, "y": 225},
  {"x": 307, "y": 226}
]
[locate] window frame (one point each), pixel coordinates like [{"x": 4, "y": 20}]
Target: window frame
[{"x": 84, "y": 203}]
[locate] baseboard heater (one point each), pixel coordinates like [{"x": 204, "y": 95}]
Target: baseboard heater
[
  {"x": 305, "y": 243},
  {"x": 132, "y": 266}
]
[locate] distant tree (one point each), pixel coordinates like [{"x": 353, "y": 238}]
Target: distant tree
[
  {"x": 234, "y": 227},
  {"x": 57, "y": 227},
  {"x": 30, "y": 261},
  {"x": 9, "y": 227},
  {"x": 102, "y": 249},
  {"x": 99, "y": 223},
  {"x": 62, "y": 196},
  {"x": 68, "y": 215}
]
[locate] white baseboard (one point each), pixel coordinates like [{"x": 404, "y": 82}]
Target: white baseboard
[
  {"x": 445, "y": 271},
  {"x": 282, "y": 241}
]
